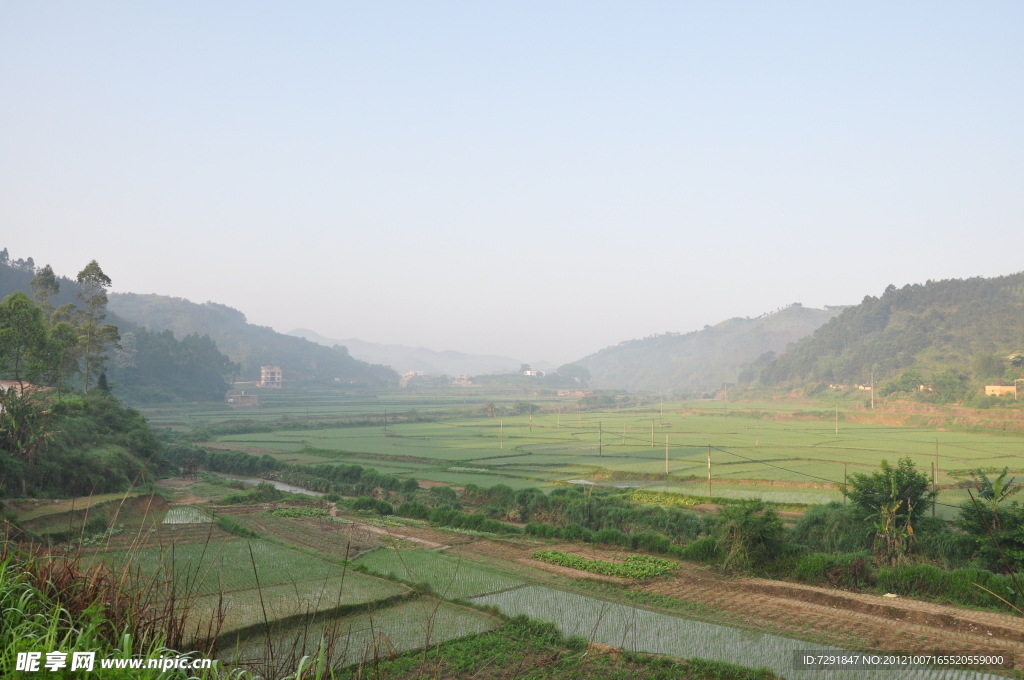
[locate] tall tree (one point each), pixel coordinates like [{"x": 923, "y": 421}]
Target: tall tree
[
  {"x": 23, "y": 338},
  {"x": 64, "y": 350},
  {"x": 94, "y": 337},
  {"x": 44, "y": 286}
]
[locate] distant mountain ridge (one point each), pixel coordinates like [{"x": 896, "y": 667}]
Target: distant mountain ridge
[
  {"x": 403, "y": 358},
  {"x": 965, "y": 325},
  {"x": 249, "y": 345},
  {"x": 701, "y": 361}
]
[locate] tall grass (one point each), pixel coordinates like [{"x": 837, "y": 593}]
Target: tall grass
[{"x": 49, "y": 603}]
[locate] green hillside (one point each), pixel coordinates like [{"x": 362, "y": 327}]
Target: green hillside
[
  {"x": 689, "y": 363},
  {"x": 249, "y": 345},
  {"x": 962, "y": 331},
  {"x": 146, "y": 367}
]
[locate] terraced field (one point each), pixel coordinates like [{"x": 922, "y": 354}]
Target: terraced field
[
  {"x": 358, "y": 638},
  {"x": 450, "y": 577},
  {"x": 255, "y": 580}
]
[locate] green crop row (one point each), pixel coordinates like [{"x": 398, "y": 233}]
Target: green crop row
[
  {"x": 299, "y": 512},
  {"x": 635, "y": 566}
]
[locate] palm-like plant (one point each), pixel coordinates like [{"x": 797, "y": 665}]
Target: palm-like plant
[
  {"x": 995, "y": 491},
  {"x": 893, "y": 537}
]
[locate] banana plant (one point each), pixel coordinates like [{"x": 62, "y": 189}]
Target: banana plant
[{"x": 995, "y": 491}]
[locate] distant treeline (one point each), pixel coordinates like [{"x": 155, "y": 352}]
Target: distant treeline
[
  {"x": 207, "y": 433},
  {"x": 347, "y": 480}
]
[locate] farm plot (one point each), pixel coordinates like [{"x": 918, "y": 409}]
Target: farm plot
[
  {"x": 356, "y": 639},
  {"x": 641, "y": 630},
  {"x": 628, "y": 443},
  {"x": 243, "y": 608},
  {"x": 187, "y": 515},
  {"x": 273, "y": 582},
  {"x": 225, "y": 566},
  {"x": 781, "y": 494},
  {"x": 450, "y": 577}
]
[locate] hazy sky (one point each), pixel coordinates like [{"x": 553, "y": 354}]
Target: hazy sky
[{"x": 533, "y": 179}]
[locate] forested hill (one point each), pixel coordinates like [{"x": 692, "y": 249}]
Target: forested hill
[
  {"x": 149, "y": 367},
  {"x": 249, "y": 345},
  {"x": 689, "y": 363},
  {"x": 969, "y": 326}
]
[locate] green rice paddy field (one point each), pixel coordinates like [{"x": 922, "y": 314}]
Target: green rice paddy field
[
  {"x": 253, "y": 579},
  {"x": 804, "y": 459},
  {"x": 360, "y": 638}
]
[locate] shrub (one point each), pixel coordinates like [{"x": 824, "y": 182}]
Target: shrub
[
  {"x": 448, "y": 517},
  {"x": 444, "y": 494},
  {"x": 542, "y": 530},
  {"x": 833, "y": 528},
  {"x": 373, "y": 504},
  {"x": 954, "y": 550},
  {"x": 611, "y": 537},
  {"x": 413, "y": 509},
  {"x": 748, "y": 535},
  {"x": 264, "y": 492},
  {"x": 1005, "y": 520},
  {"x": 956, "y": 587},
  {"x": 702, "y": 550},
  {"x": 650, "y": 541},
  {"x": 851, "y": 570},
  {"x": 574, "y": 532}
]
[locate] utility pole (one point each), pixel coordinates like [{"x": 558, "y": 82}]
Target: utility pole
[
  {"x": 600, "y": 439},
  {"x": 501, "y": 433},
  {"x": 666, "y": 455},
  {"x": 934, "y": 485},
  {"x": 837, "y": 416},
  {"x": 936, "y": 456},
  {"x": 709, "y": 473},
  {"x": 872, "y": 389},
  {"x": 652, "y": 433},
  {"x": 579, "y": 417},
  {"x": 757, "y": 434},
  {"x": 623, "y": 434},
  {"x": 531, "y": 418},
  {"x": 845, "y": 466}
]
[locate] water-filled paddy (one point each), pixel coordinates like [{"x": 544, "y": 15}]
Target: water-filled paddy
[{"x": 641, "y": 630}]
